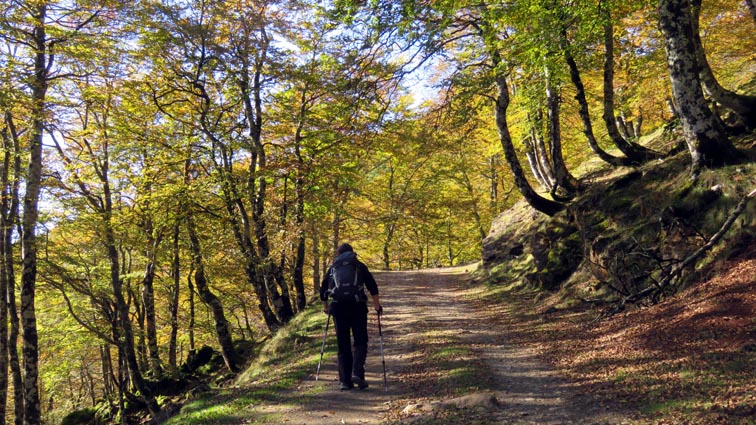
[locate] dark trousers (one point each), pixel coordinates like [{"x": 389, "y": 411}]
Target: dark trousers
[{"x": 351, "y": 318}]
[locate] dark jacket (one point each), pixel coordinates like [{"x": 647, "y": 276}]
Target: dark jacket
[{"x": 363, "y": 275}]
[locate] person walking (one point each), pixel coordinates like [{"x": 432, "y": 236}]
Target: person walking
[{"x": 344, "y": 283}]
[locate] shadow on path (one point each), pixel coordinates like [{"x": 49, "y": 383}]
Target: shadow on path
[{"x": 433, "y": 302}]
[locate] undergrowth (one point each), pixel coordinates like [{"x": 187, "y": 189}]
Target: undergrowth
[{"x": 283, "y": 361}]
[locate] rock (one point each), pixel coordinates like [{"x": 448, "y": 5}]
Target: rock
[
  {"x": 484, "y": 400},
  {"x": 412, "y": 409}
]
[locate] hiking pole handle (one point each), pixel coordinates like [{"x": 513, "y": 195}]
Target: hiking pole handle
[{"x": 322, "y": 348}]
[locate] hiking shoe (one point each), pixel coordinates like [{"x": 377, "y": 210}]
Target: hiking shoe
[
  {"x": 361, "y": 383},
  {"x": 345, "y": 387}
]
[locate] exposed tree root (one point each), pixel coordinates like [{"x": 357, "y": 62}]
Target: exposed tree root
[{"x": 672, "y": 273}]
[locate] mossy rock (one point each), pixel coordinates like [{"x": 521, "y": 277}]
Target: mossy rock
[
  {"x": 81, "y": 417},
  {"x": 558, "y": 251}
]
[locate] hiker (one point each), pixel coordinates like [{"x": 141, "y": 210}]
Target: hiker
[{"x": 345, "y": 283}]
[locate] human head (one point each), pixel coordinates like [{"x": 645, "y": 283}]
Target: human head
[{"x": 345, "y": 247}]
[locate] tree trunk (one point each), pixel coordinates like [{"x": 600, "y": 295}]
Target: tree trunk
[
  {"x": 743, "y": 106},
  {"x": 32, "y": 408},
  {"x": 622, "y": 126},
  {"x": 122, "y": 309},
  {"x": 636, "y": 154},
  {"x": 315, "y": 262},
  {"x": 541, "y": 153},
  {"x": 585, "y": 116},
  {"x": 129, "y": 349},
  {"x": 387, "y": 246},
  {"x": 13, "y": 359},
  {"x": 9, "y": 178},
  {"x": 751, "y": 6},
  {"x": 476, "y": 216},
  {"x": 173, "y": 306},
  {"x": 3, "y": 328},
  {"x": 638, "y": 125},
  {"x": 10, "y": 214},
  {"x": 530, "y": 154},
  {"x": 493, "y": 196},
  {"x": 336, "y": 232},
  {"x": 564, "y": 179},
  {"x": 671, "y": 107},
  {"x": 148, "y": 299},
  {"x": 298, "y": 277},
  {"x": 106, "y": 370},
  {"x": 141, "y": 334},
  {"x": 192, "y": 310},
  {"x": 251, "y": 87},
  {"x": 281, "y": 304},
  {"x": 538, "y": 202},
  {"x": 707, "y": 142},
  {"x": 222, "y": 329},
  {"x": 299, "y": 189}
]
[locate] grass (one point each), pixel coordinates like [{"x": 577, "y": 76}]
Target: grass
[
  {"x": 286, "y": 358},
  {"x": 451, "y": 353}
]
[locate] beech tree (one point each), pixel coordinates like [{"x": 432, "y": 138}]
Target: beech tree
[
  {"x": 225, "y": 90},
  {"x": 87, "y": 150},
  {"x": 743, "y": 106},
  {"x": 633, "y": 151},
  {"x": 37, "y": 34},
  {"x": 706, "y": 139},
  {"x": 10, "y": 175}
]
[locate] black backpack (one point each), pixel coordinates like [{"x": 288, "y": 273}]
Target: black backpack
[{"x": 345, "y": 284}]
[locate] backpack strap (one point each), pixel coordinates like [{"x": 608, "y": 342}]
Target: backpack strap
[{"x": 356, "y": 275}]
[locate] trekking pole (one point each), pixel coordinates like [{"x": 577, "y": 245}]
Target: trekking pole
[
  {"x": 322, "y": 348},
  {"x": 383, "y": 359}
]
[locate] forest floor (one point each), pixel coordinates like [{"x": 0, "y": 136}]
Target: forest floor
[
  {"x": 449, "y": 360},
  {"x": 457, "y": 353}
]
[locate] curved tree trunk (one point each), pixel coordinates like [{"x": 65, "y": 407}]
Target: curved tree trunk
[
  {"x": 105, "y": 209},
  {"x": 636, "y": 154},
  {"x": 222, "y": 329},
  {"x": 622, "y": 126},
  {"x": 541, "y": 153},
  {"x": 743, "y": 106},
  {"x": 707, "y": 142},
  {"x": 533, "y": 162},
  {"x": 564, "y": 179},
  {"x": 270, "y": 274},
  {"x": 260, "y": 267},
  {"x": 585, "y": 116},
  {"x": 257, "y": 195},
  {"x": 538, "y": 202}
]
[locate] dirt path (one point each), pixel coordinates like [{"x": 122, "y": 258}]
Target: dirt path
[{"x": 441, "y": 345}]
